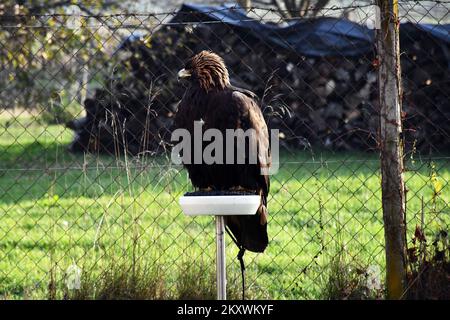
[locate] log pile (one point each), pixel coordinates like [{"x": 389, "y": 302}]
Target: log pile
[{"x": 328, "y": 102}]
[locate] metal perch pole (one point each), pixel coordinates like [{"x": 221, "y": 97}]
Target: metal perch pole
[
  {"x": 220, "y": 259},
  {"x": 195, "y": 204}
]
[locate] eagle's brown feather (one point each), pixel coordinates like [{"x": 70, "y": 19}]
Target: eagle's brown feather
[{"x": 211, "y": 98}]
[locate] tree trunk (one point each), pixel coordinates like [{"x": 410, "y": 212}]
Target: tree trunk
[
  {"x": 393, "y": 189},
  {"x": 247, "y": 4}
]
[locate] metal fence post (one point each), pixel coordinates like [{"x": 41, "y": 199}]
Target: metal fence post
[{"x": 393, "y": 188}]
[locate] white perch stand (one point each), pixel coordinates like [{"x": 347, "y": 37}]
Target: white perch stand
[
  {"x": 221, "y": 265},
  {"x": 220, "y": 206}
]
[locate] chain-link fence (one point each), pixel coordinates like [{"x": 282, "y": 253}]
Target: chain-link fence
[{"x": 89, "y": 198}]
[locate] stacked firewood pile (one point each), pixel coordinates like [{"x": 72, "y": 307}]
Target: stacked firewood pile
[
  {"x": 329, "y": 102},
  {"x": 426, "y": 84}
]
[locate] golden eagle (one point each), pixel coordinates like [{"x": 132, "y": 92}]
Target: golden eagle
[{"x": 211, "y": 99}]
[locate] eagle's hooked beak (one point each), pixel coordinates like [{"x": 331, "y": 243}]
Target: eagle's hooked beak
[{"x": 183, "y": 73}]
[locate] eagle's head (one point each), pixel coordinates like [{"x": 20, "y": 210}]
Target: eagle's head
[{"x": 206, "y": 70}]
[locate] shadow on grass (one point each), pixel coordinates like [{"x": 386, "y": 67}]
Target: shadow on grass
[{"x": 35, "y": 155}]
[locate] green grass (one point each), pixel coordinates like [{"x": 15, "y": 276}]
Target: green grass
[{"x": 127, "y": 234}]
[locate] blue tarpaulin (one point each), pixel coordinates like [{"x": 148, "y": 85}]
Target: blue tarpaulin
[{"x": 310, "y": 37}]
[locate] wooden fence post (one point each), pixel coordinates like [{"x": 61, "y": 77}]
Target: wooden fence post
[{"x": 393, "y": 188}]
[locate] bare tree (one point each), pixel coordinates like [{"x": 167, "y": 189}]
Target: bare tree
[
  {"x": 296, "y": 8},
  {"x": 247, "y": 4},
  {"x": 392, "y": 182}
]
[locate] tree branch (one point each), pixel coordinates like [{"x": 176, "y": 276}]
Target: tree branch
[
  {"x": 283, "y": 13},
  {"x": 44, "y": 7}
]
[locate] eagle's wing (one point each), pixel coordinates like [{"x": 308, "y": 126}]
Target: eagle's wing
[
  {"x": 248, "y": 93},
  {"x": 251, "y": 231},
  {"x": 253, "y": 117}
]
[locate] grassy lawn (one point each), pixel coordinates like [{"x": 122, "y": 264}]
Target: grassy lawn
[{"x": 118, "y": 221}]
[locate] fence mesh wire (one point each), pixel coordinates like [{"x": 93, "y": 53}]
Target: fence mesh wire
[{"x": 89, "y": 197}]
